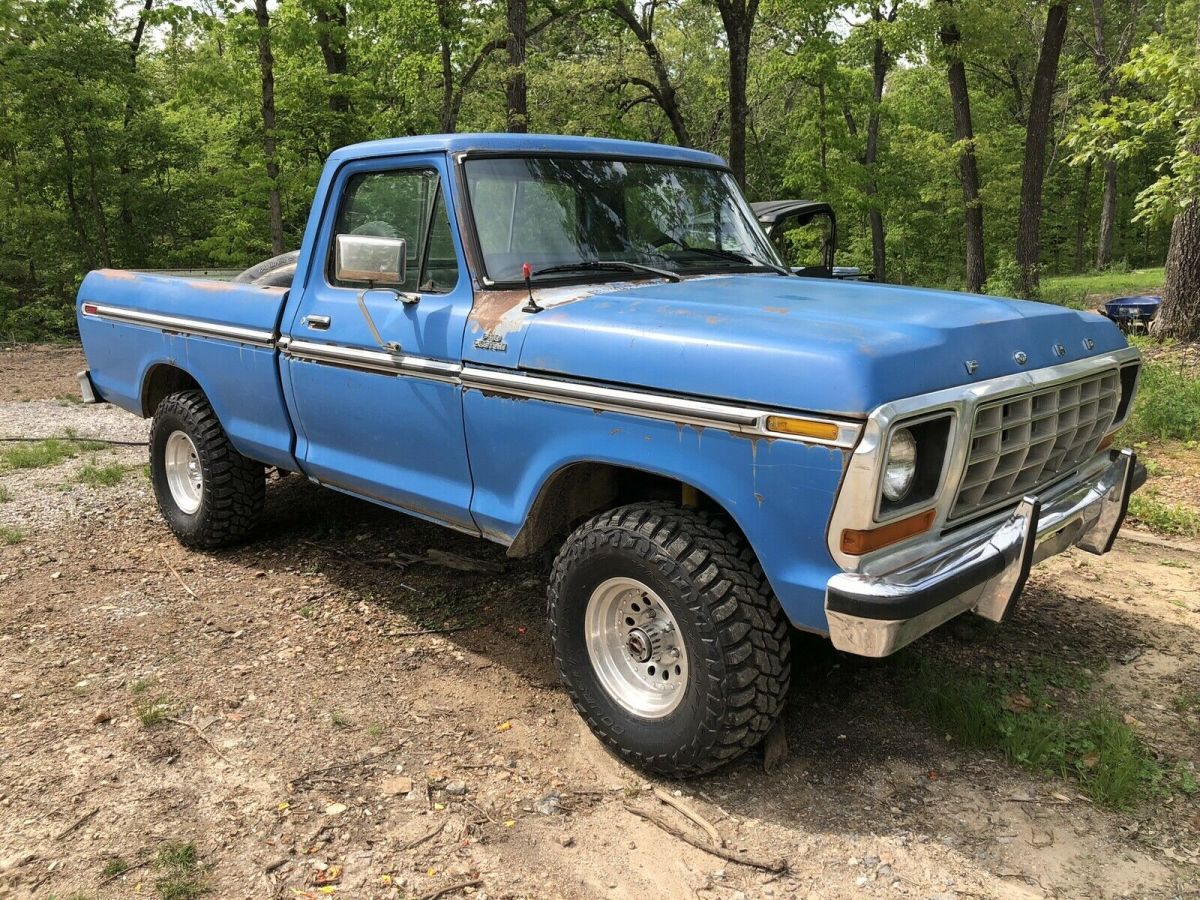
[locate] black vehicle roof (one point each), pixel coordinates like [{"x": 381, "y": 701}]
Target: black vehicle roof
[{"x": 770, "y": 211}]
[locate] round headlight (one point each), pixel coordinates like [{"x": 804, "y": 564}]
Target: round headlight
[{"x": 901, "y": 465}]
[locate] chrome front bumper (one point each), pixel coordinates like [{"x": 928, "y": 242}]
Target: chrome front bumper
[{"x": 985, "y": 573}]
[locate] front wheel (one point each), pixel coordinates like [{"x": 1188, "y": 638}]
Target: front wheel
[
  {"x": 209, "y": 493},
  {"x": 668, "y": 638}
]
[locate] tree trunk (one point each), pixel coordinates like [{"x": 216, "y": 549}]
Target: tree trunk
[
  {"x": 447, "y": 118},
  {"x": 266, "y": 65},
  {"x": 85, "y": 244},
  {"x": 738, "y": 18},
  {"x": 331, "y": 37},
  {"x": 1029, "y": 219},
  {"x": 663, "y": 90},
  {"x": 1179, "y": 315},
  {"x": 123, "y": 167},
  {"x": 1108, "y": 215},
  {"x": 964, "y": 137},
  {"x": 1081, "y": 218},
  {"x": 881, "y": 62},
  {"x": 823, "y": 135},
  {"x": 516, "y": 90}
]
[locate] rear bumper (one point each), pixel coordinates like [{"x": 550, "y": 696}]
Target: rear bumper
[{"x": 877, "y": 615}]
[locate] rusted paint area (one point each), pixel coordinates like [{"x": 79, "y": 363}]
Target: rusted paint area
[
  {"x": 778, "y": 310},
  {"x": 209, "y": 284},
  {"x": 118, "y": 274},
  {"x": 500, "y": 313},
  {"x": 490, "y": 306}
]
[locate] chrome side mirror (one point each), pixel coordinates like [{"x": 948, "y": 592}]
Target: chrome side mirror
[{"x": 375, "y": 260}]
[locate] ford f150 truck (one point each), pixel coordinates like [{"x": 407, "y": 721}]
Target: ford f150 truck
[{"x": 591, "y": 345}]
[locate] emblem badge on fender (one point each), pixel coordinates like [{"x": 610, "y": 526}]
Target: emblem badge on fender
[
  {"x": 1021, "y": 357},
  {"x": 491, "y": 342},
  {"x": 972, "y": 366},
  {"x": 1060, "y": 350}
]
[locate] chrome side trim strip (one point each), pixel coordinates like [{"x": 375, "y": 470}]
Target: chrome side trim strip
[
  {"x": 179, "y": 325},
  {"x": 665, "y": 407},
  {"x": 682, "y": 410},
  {"x": 372, "y": 360}
]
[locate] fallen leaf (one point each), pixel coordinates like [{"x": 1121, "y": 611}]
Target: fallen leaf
[
  {"x": 401, "y": 784},
  {"x": 1090, "y": 759},
  {"x": 510, "y": 823},
  {"x": 1018, "y": 703},
  {"x": 431, "y": 871},
  {"x": 282, "y": 806},
  {"x": 335, "y": 809},
  {"x": 504, "y": 726}
]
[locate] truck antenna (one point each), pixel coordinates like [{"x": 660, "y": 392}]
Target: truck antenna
[{"x": 527, "y": 273}]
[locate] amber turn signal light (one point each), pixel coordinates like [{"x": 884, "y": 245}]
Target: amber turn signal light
[
  {"x": 826, "y": 431},
  {"x": 1107, "y": 442},
  {"x": 857, "y": 542}
]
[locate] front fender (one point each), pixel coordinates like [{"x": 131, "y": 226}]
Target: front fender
[{"x": 779, "y": 492}]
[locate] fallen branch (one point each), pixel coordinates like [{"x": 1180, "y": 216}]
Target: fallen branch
[
  {"x": 200, "y": 734},
  {"x": 335, "y": 767},
  {"x": 779, "y": 865},
  {"x": 277, "y": 864},
  {"x": 433, "y": 895},
  {"x": 707, "y": 826},
  {"x": 422, "y": 631},
  {"x": 111, "y": 878},
  {"x": 78, "y": 823},
  {"x": 182, "y": 583},
  {"x": 415, "y": 842}
]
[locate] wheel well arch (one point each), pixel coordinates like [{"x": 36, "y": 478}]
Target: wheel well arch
[
  {"x": 160, "y": 381},
  {"x": 579, "y": 490}
]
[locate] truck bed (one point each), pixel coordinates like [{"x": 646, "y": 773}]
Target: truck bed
[{"x": 222, "y": 334}]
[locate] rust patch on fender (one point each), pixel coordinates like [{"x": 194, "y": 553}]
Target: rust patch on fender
[
  {"x": 118, "y": 274},
  {"x": 490, "y": 306},
  {"x": 778, "y": 310},
  {"x": 208, "y": 284}
]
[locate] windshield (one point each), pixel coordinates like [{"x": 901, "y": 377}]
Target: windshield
[{"x": 564, "y": 211}]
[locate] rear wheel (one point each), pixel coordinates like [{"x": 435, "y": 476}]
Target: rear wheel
[
  {"x": 209, "y": 494},
  {"x": 667, "y": 637}
]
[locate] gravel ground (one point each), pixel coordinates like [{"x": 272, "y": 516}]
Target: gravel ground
[{"x": 335, "y": 722}]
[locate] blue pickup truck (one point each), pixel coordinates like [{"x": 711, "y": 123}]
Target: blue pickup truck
[{"x": 591, "y": 345}]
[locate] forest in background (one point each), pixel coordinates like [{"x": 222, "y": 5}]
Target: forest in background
[{"x": 965, "y": 143}]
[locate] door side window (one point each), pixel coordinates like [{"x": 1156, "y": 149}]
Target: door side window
[{"x": 406, "y": 204}]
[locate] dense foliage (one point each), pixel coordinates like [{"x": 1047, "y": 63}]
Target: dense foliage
[{"x": 132, "y": 133}]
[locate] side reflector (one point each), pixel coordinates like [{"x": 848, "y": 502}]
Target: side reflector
[
  {"x": 89, "y": 309},
  {"x": 859, "y": 542},
  {"x": 826, "y": 431},
  {"x": 1107, "y": 442}
]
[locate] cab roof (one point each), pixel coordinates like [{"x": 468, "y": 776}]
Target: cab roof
[{"x": 523, "y": 143}]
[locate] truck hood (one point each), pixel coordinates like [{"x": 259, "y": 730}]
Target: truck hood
[{"x": 805, "y": 344}]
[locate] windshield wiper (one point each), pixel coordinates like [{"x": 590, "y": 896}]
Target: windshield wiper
[
  {"x": 736, "y": 257},
  {"x": 609, "y": 265}
]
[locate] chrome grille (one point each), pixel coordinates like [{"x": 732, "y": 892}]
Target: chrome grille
[{"x": 1030, "y": 439}]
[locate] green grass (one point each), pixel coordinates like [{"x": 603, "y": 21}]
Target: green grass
[
  {"x": 338, "y": 719},
  {"x": 100, "y": 475},
  {"x": 10, "y": 535},
  {"x": 114, "y": 867},
  {"x": 1023, "y": 716},
  {"x": 151, "y": 712},
  {"x": 37, "y": 454},
  {"x": 182, "y": 875},
  {"x": 1082, "y": 291},
  {"x": 5, "y": 496},
  {"x": 1167, "y": 406},
  {"x": 1147, "y": 509}
]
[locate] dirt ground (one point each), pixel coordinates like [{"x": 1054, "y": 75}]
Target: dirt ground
[{"x": 308, "y": 733}]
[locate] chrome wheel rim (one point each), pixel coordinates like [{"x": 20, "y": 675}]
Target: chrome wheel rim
[
  {"x": 185, "y": 478},
  {"x": 635, "y": 648}
]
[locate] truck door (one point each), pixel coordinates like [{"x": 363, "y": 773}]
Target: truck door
[{"x": 376, "y": 398}]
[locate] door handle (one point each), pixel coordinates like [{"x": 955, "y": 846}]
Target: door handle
[{"x": 320, "y": 323}]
